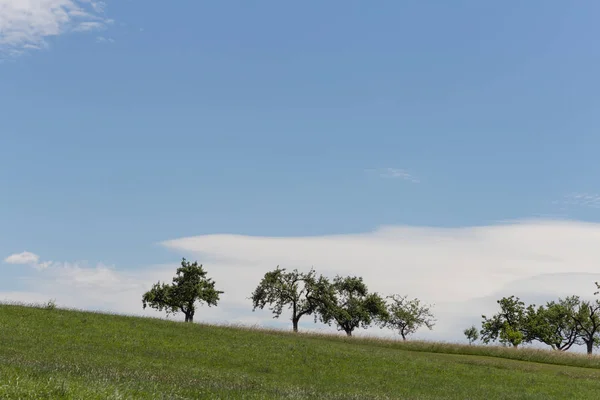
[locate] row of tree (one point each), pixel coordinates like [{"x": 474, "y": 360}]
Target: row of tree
[
  {"x": 559, "y": 324},
  {"x": 343, "y": 301}
]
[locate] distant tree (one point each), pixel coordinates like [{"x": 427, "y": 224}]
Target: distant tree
[
  {"x": 190, "y": 285},
  {"x": 472, "y": 334},
  {"x": 587, "y": 318},
  {"x": 509, "y": 326},
  {"x": 348, "y": 303},
  {"x": 300, "y": 292},
  {"x": 406, "y": 316},
  {"x": 554, "y": 323}
]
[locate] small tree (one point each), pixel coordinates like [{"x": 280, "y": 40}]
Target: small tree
[
  {"x": 406, "y": 316},
  {"x": 298, "y": 291},
  {"x": 348, "y": 303},
  {"x": 554, "y": 324},
  {"x": 190, "y": 285},
  {"x": 509, "y": 326},
  {"x": 472, "y": 334},
  {"x": 587, "y": 318}
]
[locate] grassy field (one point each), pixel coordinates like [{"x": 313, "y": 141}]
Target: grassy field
[{"x": 60, "y": 354}]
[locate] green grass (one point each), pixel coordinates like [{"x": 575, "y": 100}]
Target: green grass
[{"x": 62, "y": 354}]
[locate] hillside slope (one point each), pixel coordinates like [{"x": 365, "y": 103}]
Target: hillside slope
[{"x": 59, "y": 354}]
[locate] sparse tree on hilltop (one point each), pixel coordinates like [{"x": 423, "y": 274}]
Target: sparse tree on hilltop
[
  {"x": 301, "y": 292},
  {"x": 190, "y": 285},
  {"x": 509, "y": 325},
  {"x": 472, "y": 334},
  {"x": 406, "y": 316},
  {"x": 348, "y": 303}
]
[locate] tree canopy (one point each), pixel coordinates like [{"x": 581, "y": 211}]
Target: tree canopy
[
  {"x": 406, "y": 316},
  {"x": 587, "y": 318},
  {"x": 509, "y": 326},
  {"x": 472, "y": 334},
  {"x": 554, "y": 324},
  {"x": 300, "y": 292},
  {"x": 348, "y": 303},
  {"x": 190, "y": 285}
]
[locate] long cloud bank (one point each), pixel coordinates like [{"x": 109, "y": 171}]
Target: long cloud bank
[{"x": 462, "y": 271}]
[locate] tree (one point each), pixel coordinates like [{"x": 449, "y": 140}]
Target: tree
[
  {"x": 406, "y": 316},
  {"x": 472, "y": 334},
  {"x": 301, "y": 292},
  {"x": 190, "y": 285},
  {"x": 509, "y": 325},
  {"x": 554, "y": 324},
  {"x": 587, "y": 318},
  {"x": 348, "y": 303}
]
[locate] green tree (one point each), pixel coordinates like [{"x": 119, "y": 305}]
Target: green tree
[
  {"x": 587, "y": 318},
  {"x": 509, "y": 326},
  {"x": 472, "y": 334},
  {"x": 554, "y": 324},
  {"x": 406, "y": 316},
  {"x": 300, "y": 292},
  {"x": 190, "y": 285},
  {"x": 348, "y": 303}
]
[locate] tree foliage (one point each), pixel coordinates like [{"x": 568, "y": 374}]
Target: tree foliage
[
  {"x": 190, "y": 285},
  {"x": 554, "y": 324},
  {"x": 300, "y": 292},
  {"x": 509, "y": 326},
  {"x": 472, "y": 334},
  {"x": 406, "y": 316},
  {"x": 587, "y": 319},
  {"x": 347, "y": 302}
]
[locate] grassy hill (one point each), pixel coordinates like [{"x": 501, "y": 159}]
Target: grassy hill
[{"x": 60, "y": 354}]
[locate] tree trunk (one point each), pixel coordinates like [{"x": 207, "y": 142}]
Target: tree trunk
[
  {"x": 348, "y": 333},
  {"x": 295, "y": 317},
  {"x": 590, "y": 346},
  {"x": 515, "y": 346},
  {"x": 189, "y": 317}
]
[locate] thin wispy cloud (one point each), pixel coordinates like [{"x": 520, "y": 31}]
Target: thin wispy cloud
[
  {"x": 581, "y": 199},
  {"x": 102, "y": 39},
  {"x": 395, "y": 173},
  {"x": 89, "y": 26},
  {"x": 27, "y": 24}
]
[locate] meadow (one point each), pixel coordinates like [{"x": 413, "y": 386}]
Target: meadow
[{"x": 48, "y": 353}]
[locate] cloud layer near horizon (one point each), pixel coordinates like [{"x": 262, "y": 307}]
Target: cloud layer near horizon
[{"x": 463, "y": 271}]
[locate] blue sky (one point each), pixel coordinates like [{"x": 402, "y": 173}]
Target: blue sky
[{"x": 126, "y": 124}]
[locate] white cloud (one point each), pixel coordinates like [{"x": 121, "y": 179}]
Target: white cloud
[
  {"x": 26, "y": 24},
  {"x": 463, "y": 271},
  {"x": 27, "y": 258},
  {"x": 24, "y": 258},
  {"x": 398, "y": 174}
]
